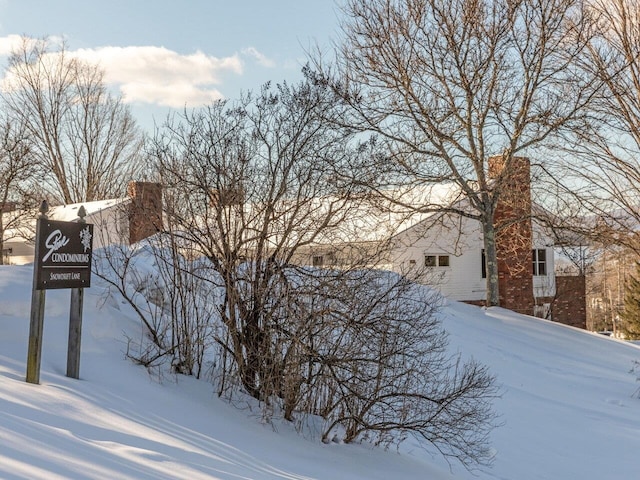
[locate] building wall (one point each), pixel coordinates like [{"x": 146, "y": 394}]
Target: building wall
[
  {"x": 21, "y": 252},
  {"x": 544, "y": 285},
  {"x": 460, "y": 239},
  {"x": 110, "y": 226},
  {"x": 118, "y": 221}
]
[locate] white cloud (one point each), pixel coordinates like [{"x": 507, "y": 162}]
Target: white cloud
[
  {"x": 14, "y": 42},
  {"x": 8, "y": 43},
  {"x": 161, "y": 76},
  {"x": 158, "y": 75},
  {"x": 175, "y": 94},
  {"x": 261, "y": 58}
]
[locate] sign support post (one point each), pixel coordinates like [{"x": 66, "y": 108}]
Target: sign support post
[
  {"x": 62, "y": 259},
  {"x": 36, "y": 324},
  {"x": 75, "y": 322}
]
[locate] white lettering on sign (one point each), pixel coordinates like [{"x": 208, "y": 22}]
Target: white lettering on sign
[
  {"x": 64, "y": 276},
  {"x": 60, "y": 276},
  {"x": 70, "y": 258},
  {"x": 55, "y": 241}
]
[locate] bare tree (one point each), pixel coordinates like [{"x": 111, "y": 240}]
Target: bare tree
[
  {"x": 605, "y": 177},
  {"x": 629, "y": 318},
  {"x": 448, "y": 84},
  {"x": 255, "y": 186},
  {"x": 80, "y": 132},
  {"x": 17, "y": 175},
  {"x": 600, "y": 196}
]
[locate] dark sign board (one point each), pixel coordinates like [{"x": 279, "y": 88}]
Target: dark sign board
[{"x": 63, "y": 255}]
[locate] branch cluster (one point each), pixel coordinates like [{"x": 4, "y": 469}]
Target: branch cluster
[{"x": 254, "y": 190}]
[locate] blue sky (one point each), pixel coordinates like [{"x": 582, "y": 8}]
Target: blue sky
[{"x": 165, "y": 54}]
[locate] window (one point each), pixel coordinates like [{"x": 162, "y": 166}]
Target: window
[
  {"x": 483, "y": 266},
  {"x": 317, "y": 260},
  {"x": 436, "y": 261},
  {"x": 6, "y": 253},
  {"x": 539, "y": 260}
]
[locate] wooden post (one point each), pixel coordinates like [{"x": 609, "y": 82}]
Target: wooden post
[
  {"x": 34, "y": 353},
  {"x": 75, "y": 323}
]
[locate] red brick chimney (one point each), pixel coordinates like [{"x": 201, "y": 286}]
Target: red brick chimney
[
  {"x": 514, "y": 237},
  {"x": 9, "y": 207},
  {"x": 145, "y": 210}
]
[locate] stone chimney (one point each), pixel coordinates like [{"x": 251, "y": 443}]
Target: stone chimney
[
  {"x": 514, "y": 240},
  {"x": 145, "y": 210}
]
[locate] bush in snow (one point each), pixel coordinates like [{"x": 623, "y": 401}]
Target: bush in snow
[
  {"x": 362, "y": 349},
  {"x": 252, "y": 190}
]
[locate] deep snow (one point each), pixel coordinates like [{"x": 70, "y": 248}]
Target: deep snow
[{"x": 567, "y": 409}]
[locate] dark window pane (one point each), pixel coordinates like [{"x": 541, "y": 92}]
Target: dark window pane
[
  {"x": 542, "y": 268},
  {"x": 539, "y": 257},
  {"x": 484, "y": 264}
]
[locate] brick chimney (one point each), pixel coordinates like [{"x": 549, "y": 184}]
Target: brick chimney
[
  {"x": 514, "y": 240},
  {"x": 9, "y": 207},
  {"x": 145, "y": 210}
]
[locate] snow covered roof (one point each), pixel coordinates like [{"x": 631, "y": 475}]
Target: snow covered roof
[
  {"x": 397, "y": 211},
  {"x": 69, "y": 213},
  {"x": 64, "y": 213}
]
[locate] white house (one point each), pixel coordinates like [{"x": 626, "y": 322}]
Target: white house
[
  {"x": 450, "y": 255},
  {"x": 121, "y": 220},
  {"x": 446, "y": 252}
]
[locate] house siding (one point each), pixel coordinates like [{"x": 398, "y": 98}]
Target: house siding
[{"x": 461, "y": 239}]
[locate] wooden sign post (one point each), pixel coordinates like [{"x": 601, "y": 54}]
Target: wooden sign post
[
  {"x": 36, "y": 323},
  {"x": 62, "y": 260},
  {"x": 75, "y": 321}
]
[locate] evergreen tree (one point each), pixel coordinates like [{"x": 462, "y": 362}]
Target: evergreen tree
[{"x": 630, "y": 316}]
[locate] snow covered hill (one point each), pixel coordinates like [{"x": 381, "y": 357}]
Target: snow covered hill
[{"x": 568, "y": 409}]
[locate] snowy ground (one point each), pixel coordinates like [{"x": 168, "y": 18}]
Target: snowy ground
[{"x": 568, "y": 407}]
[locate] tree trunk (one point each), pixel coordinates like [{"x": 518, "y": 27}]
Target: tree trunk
[
  {"x": 491, "y": 263},
  {"x": 2, "y": 228}
]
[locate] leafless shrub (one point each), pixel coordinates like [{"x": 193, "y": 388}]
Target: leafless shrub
[
  {"x": 257, "y": 192},
  {"x": 174, "y": 303},
  {"x": 365, "y": 350}
]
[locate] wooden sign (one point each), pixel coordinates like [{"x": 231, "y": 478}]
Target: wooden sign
[{"x": 63, "y": 255}]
